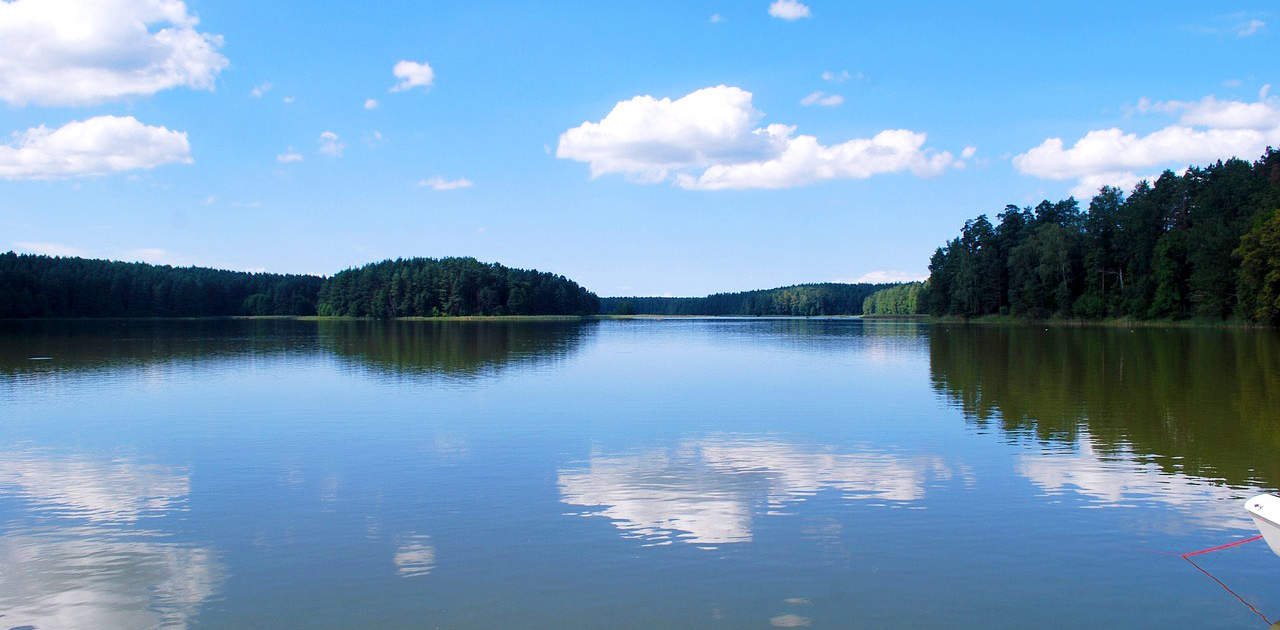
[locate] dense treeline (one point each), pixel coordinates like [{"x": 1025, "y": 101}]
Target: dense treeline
[
  {"x": 828, "y": 298},
  {"x": 903, "y": 299},
  {"x": 1203, "y": 244},
  {"x": 431, "y": 287},
  {"x": 44, "y": 286}
]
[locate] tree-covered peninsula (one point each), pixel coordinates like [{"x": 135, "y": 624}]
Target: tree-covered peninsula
[
  {"x": 828, "y": 298},
  {"x": 47, "y": 286},
  {"x": 1204, "y": 244},
  {"x": 439, "y": 287}
]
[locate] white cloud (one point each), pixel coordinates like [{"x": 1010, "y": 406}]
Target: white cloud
[
  {"x": 440, "y": 183},
  {"x": 412, "y": 74},
  {"x": 789, "y": 10},
  {"x": 716, "y": 18},
  {"x": 48, "y": 249},
  {"x": 70, "y": 52},
  {"x": 260, "y": 89},
  {"x": 1232, "y": 83},
  {"x": 371, "y": 103},
  {"x": 97, "y": 146},
  {"x": 287, "y": 100},
  {"x": 330, "y": 144},
  {"x": 290, "y": 155},
  {"x": 209, "y": 201},
  {"x": 836, "y": 77},
  {"x": 822, "y": 98},
  {"x": 1208, "y": 129},
  {"x": 715, "y": 130},
  {"x": 884, "y": 275},
  {"x": 968, "y": 152},
  {"x": 1250, "y": 28}
]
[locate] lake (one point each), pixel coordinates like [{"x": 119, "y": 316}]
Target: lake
[{"x": 680, "y": 473}]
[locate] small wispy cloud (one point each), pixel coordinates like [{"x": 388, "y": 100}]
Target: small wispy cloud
[
  {"x": 371, "y": 103},
  {"x": 287, "y": 100},
  {"x": 290, "y": 155},
  {"x": 822, "y": 99},
  {"x": 330, "y": 144},
  {"x": 716, "y": 18},
  {"x": 1250, "y": 28},
  {"x": 412, "y": 74},
  {"x": 440, "y": 183},
  {"x": 884, "y": 275},
  {"x": 789, "y": 10},
  {"x": 260, "y": 89}
]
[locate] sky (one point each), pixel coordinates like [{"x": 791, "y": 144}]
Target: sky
[{"x": 655, "y": 148}]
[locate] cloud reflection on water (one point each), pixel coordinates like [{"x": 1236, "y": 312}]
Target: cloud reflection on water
[
  {"x": 78, "y": 555},
  {"x": 1121, "y": 479},
  {"x": 706, "y": 491}
]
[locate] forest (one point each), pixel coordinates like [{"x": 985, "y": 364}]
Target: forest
[
  {"x": 1204, "y": 244},
  {"x": 431, "y": 287},
  {"x": 45, "y": 286},
  {"x": 902, "y": 299},
  {"x": 828, "y": 298}
]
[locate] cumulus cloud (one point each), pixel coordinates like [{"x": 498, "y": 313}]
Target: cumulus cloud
[
  {"x": 97, "y": 146},
  {"x": 884, "y": 275},
  {"x": 330, "y": 144},
  {"x": 822, "y": 98},
  {"x": 412, "y": 74},
  {"x": 440, "y": 183},
  {"x": 69, "y": 52},
  {"x": 711, "y": 139},
  {"x": 1206, "y": 130},
  {"x": 290, "y": 155},
  {"x": 371, "y": 103},
  {"x": 789, "y": 10}
]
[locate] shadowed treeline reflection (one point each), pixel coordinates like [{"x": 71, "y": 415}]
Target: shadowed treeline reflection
[
  {"x": 77, "y": 345},
  {"x": 1204, "y": 402},
  {"x": 452, "y": 348}
]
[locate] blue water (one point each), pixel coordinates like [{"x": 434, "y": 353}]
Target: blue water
[{"x": 632, "y": 474}]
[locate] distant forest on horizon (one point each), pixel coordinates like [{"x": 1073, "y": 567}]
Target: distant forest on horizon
[{"x": 1204, "y": 244}]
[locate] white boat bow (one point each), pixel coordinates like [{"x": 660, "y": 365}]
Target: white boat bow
[{"x": 1265, "y": 510}]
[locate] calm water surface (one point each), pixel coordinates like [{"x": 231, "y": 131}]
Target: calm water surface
[{"x": 632, "y": 474}]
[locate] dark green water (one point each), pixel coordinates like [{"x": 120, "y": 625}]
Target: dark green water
[{"x": 632, "y": 474}]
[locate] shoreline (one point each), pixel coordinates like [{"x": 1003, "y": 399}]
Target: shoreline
[{"x": 986, "y": 320}]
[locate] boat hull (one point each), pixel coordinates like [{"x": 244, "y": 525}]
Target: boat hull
[{"x": 1265, "y": 510}]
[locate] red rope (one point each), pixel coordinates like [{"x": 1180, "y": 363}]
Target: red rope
[
  {"x": 1238, "y": 542},
  {"x": 1187, "y": 557}
]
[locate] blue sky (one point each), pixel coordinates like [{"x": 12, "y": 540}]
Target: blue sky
[{"x": 537, "y": 135}]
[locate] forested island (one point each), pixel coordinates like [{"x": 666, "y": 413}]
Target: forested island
[
  {"x": 442, "y": 287},
  {"x": 1204, "y": 244},
  {"x": 828, "y": 298}
]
